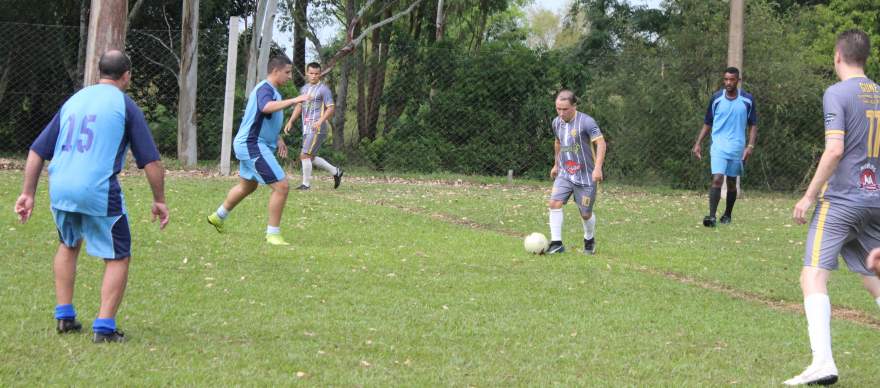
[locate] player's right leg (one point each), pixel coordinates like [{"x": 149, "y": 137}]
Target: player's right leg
[
  {"x": 830, "y": 228},
  {"x": 69, "y": 227},
  {"x": 562, "y": 191},
  {"x": 719, "y": 166}
]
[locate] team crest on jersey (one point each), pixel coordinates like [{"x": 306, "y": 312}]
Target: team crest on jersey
[
  {"x": 572, "y": 167},
  {"x": 574, "y": 132},
  {"x": 868, "y": 178},
  {"x": 829, "y": 117}
]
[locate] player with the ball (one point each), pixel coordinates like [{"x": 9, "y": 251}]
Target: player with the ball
[{"x": 577, "y": 169}]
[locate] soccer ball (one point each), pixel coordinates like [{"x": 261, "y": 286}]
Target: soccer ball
[{"x": 536, "y": 243}]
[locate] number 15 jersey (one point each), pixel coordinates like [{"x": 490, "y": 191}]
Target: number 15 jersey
[{"x": 86, "y": 141}]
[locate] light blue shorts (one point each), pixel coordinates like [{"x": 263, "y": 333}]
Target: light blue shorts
[
  {"x": 106, "y": 237},
  {"x": 264, "y": 169},
  {"x": 728, "y": 167}
]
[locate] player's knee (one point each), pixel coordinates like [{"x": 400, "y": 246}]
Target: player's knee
[
  {"x": 587, "y": 216},
  {"x": 717, "y": 180},
  {"x": 281, "y": 187},
  {"x": 553, "y": 204}
]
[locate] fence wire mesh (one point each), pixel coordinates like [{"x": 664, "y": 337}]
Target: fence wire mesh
[{"x": 430, "y": 109}]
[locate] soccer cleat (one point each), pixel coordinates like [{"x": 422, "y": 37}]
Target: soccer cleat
[
  {"x": 114, "y": 336},
  {"x": 709, "y": 221},
  {"x": 590, "y": 246},
  {"x": 68, "y": 325},
  {"x": 725, "y": 219},
  {"x": 815, "y": 375},
  {"x": 303, "y": 187},
  {"x": 555, "y": 247},
  {"x": 337, "y": 179},
  {"x": 216, "y": 222},
  {"x": 276, "y": 239}
]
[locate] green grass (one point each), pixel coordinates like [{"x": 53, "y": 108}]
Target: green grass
[{"x": 427, "y": 283}]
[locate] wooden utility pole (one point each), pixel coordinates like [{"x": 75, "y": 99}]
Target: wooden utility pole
[
  {"x": 187, "y": 150},
  {"x": 107, "y": 24},
  {"x": 229, "y": 96},
  {"x": 735, "y": 58}
]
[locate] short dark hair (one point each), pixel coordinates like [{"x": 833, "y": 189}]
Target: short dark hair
[
  {"x": 732, "y": 70},
  {"x": 313, "y": 65},
  {"x": 277, "y": 62},
  {"x": 854, "y": 47},
  {"x": 113, "y": 64},
  {"x": 567, "y": 95}
]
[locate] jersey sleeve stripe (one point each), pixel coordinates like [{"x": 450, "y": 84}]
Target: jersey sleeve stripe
[{"x": 593, "y": 140}]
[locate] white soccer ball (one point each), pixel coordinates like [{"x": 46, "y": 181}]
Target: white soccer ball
[{"x": 536, "y": 243}]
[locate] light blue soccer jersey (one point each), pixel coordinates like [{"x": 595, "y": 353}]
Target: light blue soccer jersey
[
  {"x": 320, "y": 98},
  {"x": 87, "y": 141},
  {"x": 257, "y": 127},
  {"x": 729, "y": 119}
]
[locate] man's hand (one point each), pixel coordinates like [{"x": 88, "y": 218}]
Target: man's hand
[
  {"x": 316, "y": 126},
  {"x": 24, "y": 206},
  {"x": 801, "y": 208},
  {"x": 282, "y": 148},
  {"x": 597, "y": 175},
  {"x": 301, "y": 99},
  {"x": 160, "y": 210},
  {"x": 748, "y": 152},
  {"x": 874, "y": 261},
  {"x": 554, "y": 172},
  {"x": 288, "y": 126},
  {"x": 698, "y": 151}
]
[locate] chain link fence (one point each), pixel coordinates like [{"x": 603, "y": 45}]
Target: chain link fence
[{"x": 432, "y": 109}]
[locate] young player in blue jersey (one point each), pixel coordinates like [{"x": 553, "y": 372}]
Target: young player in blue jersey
[
  {"x": 579, "y": 154},
  {"x": 255, "y": 145},
  {"x": 316, "y": 111},
  {"x": 86, "y": 142},
  {"x": 730, "y": 111},
  {"x": 846, "y": 219}
]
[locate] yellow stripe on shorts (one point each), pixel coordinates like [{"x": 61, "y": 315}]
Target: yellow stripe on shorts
[{"x": 820, "y": 227}]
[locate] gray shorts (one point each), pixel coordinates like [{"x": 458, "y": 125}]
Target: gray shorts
[
  {"x": 312, "y": 142},
  {"x": 584, "y": 196},
  {"x": 850, "y": 232}
]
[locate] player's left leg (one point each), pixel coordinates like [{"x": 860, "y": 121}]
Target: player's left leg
[
  {"x": 585, "y": 196},
  {"x": 69, "y": 226},
  {"x": 727, "y": 217},
  {"x": 874, "y": 262}
]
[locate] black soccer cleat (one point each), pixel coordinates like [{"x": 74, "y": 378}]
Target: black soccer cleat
[
  {"x": 115, "y": 336},
  {"x": 725, "y": 219},
  {"x": 303, "y": 187},
  {"x": 69, "y": 325},
  {"x": 337, "y": 179},
  {"x": 709, "y": 222},
  {"x": 590, "y": 246},
  {"x": 555, "y": 247}
]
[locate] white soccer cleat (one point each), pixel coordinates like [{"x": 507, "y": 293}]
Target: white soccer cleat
[{"x": 815, "y": 375}]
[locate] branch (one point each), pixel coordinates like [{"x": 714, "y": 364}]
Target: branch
[
  {"x": 164, "y": 66},
  {"x": 354, "y": 42},
  {"x": 135, "y": 11},
  {"x": 170, "y": 50}
]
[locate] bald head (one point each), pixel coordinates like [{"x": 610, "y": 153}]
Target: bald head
[
  {"x": 567, "y": 95},
  {"x": 113, "y": 65}
]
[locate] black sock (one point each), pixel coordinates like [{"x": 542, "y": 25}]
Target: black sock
[
  {"x": 714, "y": 198},
  {"x": 731, "y": 199}
]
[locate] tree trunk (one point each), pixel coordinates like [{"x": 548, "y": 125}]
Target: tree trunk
[
  {"x": 342, "y": 88},
  {"x": 107, "y": 24},
  {"x": 441, "y": 21},
  {"x": 299, "y": 41},
  {"x": 361, "y": 94},
  {"x": 266, "y": 39},
  {"x": 251, "y": 71},
  {"x": 187, "y": 143},
  {"x": 4, "y": 77},
  {"x": 381, "y": 37},
  {"x": 81, "y": 49}
]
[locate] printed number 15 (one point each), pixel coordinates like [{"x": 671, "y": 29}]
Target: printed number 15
[{"x": 83, "y": 130}]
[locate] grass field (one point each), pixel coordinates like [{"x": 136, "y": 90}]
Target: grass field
[{"x": 425, "y": 282}]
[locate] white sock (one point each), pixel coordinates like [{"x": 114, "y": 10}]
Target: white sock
[
  {"x": 273, "y": 229},
  {"x": 324, "y": 165},
  {"x": 590, "y": 227},
  {"x": 818, "y": 311},
  {"x": 307, "y": 171},
  {"x": 222, "y": 212},
  {"x": 555, "y": 224},
  {"x": 878, "y": 301}
]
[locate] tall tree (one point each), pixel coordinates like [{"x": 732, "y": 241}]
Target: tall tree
[{"x": 187, "y": 130}]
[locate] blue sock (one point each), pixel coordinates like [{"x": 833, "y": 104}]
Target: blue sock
[
  {"x": 104, "y": 325},
  {"x": 65, "y": 311}
]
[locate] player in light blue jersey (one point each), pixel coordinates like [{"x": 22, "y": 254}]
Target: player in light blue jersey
[
  {"x": 846, "y": 218},
  {"x": 86, "y": 142},
  {"x": 730, "y": 111},
  {"x": 316, "y": 112},
  {"x": 255, "y": 146}
]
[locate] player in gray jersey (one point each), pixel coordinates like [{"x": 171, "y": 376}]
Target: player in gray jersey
[
  {"x": 846, "y": 219},
  {"x": 316, "y": 111},
  {"x": 577, "y": 169}
]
